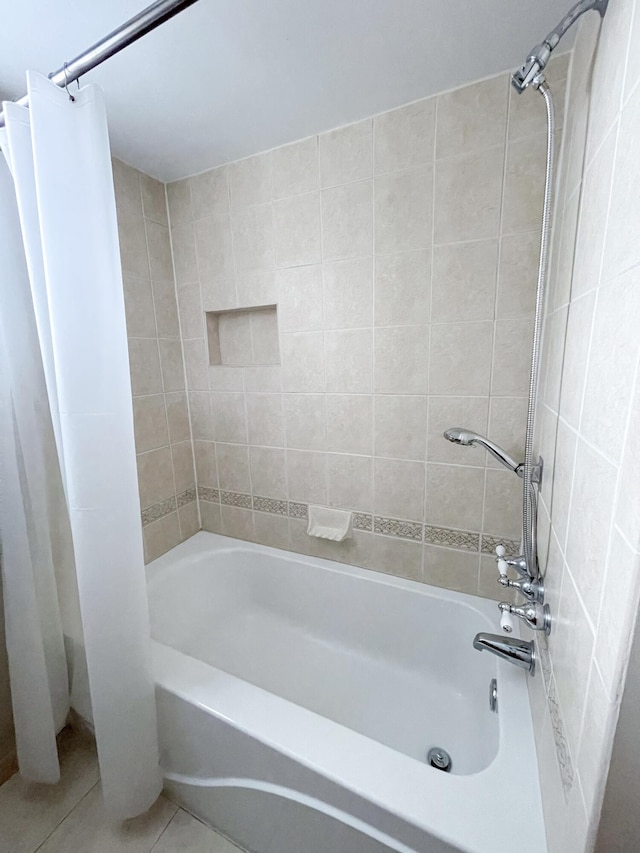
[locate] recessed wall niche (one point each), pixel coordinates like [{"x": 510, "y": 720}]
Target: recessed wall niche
[{"x": 244, "y": 336}]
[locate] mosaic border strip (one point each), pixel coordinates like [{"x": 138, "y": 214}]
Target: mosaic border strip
[
  {"x": 395, "y": 527},
  {"x": 236, "y": 499},
  {"x": 489, "y": 544},
  {"x": 362, "y": 521},
  {"x": 563, "y": 755},
  {"x": 298, "y": 510},
  {"x": 207, "y": 494},
  {"x": 157, "y": 511},
  {"x": 271, "y": 505},
  {"x": 448, "y": 537}
]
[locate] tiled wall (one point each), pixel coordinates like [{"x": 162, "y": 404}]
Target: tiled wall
[
  {"x": 588, "y": 428},
  {"x": 401, "y": 254},
  {"x": 166, "y": 475}
]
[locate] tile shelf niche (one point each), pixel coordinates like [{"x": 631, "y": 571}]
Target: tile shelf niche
[{"x": 243, "y": 336}]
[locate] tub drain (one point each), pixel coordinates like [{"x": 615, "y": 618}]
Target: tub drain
[{"x": 439, "y": 758}]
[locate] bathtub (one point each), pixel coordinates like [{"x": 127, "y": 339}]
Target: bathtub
[{"x": 298, "y": 699}]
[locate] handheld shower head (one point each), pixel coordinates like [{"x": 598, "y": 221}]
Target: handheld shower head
[
  {"x": 540, "y": 54},
  {"x": 466, "y": 437}
]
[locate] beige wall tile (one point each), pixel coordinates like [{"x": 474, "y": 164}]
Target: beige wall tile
[
  {"x": 210, "y": 517},
  {"x": 233, "y": 467},
  {"x": 237, "y": 522},
  {"x": 252, "y": 231},
  {"x": 183, "y": 471},
  {"x": 191, "y": 313},
  {"x": 464, "y": 282},
  {"x": 268, "y": 472},
  {"x": 150, "y": 422},
  {"x": 172, "y": 367},
  {"x": 527, "y": 114},
  {"x": 294, "y": 168},
  {"x": 305, "y": 421},
  {"x": 349, "y": 423},
  {"x": 144, "y": 365},
  {"x": 166, "y": 309},
  {"x": 403, "y": 210},
  {"x": 177, "y": 416},
  {"x": 265, "y": 419},
  {"x": 133, "y": 245},
  {"x": 234, "y": 332},
  {"x": 523, "y": 186},
  {"x": 307, "y": 476},
  {"x": 153, "y": 200},
  {"x": 214, "y": 247},
  {"x": 160, "y": 536},
  {"x": 189, "y": 520},
  {"x": 185, "y": 261},
  {"x": 517, "y": 274},
  {"x": 399, "y": 488},
  {"x": 512, "y": 357},
  {"x": 138, "y": 304},
  {"x": 210, "y": 193},
  {"x": 296, "y": 227},
  {"x": 299, "y": 294},
  {"x": 271, "y": 530},
  {"x": 502, "y": 504},
  {"x": 460, "y": 359},
  {"x": 205, "y": 462},
  {"x": 402, "y": 288},
  {"x": 467, "y": 196},
  {"x": 346, "y": 154},
  {"x": 350, "y": 481},
  {"x": 229, "y": 417},
  {"x": 455, "y": 496},
  {"x": 400, "y": 426},
  {"x": 451, "y": 569},
  {"x": 201, "y": 417},
  {"x": 250, "y": 181},
  {"x": 264, "y": 336},
  {"x": 179, "y": 202},
  {"x": 397, "y": 557},
  {"x": 347, "y": 221},
  {"x": 472, "y": 117},
  {"x": 349, "y": 361},
  {"x": 196, "y": 363},
  {"x": 507, "y": 426},
  {"x": 347, "y": 297},
  {"x": 159, "y": 248},
  {"x": 401, "y": 359},
  {"x": 256, "y": 287},
  {"x": 404, "y": 137},
  {"x": 302, "y": 362},
  {"x": 155, "y": 476}
]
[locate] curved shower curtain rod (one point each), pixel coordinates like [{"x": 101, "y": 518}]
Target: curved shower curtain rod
[{"x": 144, "y": 22}]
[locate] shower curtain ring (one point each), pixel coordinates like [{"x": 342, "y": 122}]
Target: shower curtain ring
[{"x": 71, "y": 98}]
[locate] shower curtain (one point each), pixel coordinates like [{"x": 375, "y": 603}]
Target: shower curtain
[{"x": 63, "y": 340}]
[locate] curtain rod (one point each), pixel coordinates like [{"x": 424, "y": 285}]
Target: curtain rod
[{"x": 133, "y": 29}]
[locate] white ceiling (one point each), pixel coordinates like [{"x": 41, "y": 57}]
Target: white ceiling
[{"x": 228, "y": 78}]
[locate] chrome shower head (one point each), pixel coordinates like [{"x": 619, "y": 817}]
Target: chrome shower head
[
  {"x": 466, "y": 437},
  {"x": 461, "y": 436},
  {"x": 540, "y": 54}
]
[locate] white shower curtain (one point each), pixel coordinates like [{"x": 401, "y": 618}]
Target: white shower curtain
[{"x": 58, "y": 153}]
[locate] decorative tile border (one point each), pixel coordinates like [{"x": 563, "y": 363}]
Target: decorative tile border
[
  {"x": 395, "y": 527},
  {"x": 298, "y": 510},
  {"x": 490, "y": 543},
  {"x": 159, "y": 510},
  {"x": 362, "y": 521},
  {"x": 186, "y": 497},
  {"x": 272, "y": 505},
  {"x": 235, "y": 499},
  {"x": 563, "y": 755},
  {"x": 452, "y": 538},
  {"x": 207, "y": 494}
]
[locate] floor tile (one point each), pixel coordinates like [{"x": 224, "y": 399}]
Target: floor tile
[
  {"x": 29, "y": 813},
  {"x": 88, "y": 829},
  {"x": 185, "y": 833}
]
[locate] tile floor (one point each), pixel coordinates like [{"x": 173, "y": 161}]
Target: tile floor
[{"x": 70, "y": 818}]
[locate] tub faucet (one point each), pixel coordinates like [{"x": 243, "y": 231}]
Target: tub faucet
[{"x": 518, "y": 652}]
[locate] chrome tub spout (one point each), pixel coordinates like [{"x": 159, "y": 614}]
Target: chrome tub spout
[{"x": 518, "y": 652}]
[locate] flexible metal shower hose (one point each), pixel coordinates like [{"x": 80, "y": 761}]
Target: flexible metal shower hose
[{"x": 529, "y": 499}]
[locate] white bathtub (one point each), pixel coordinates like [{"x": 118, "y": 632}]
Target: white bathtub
[{"x": 298, "y": 698}]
